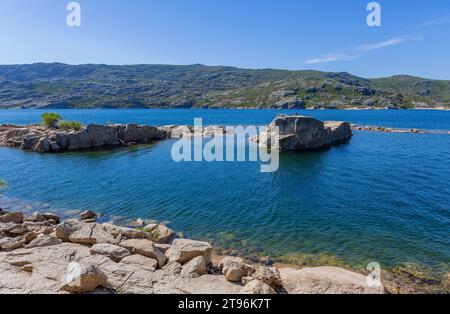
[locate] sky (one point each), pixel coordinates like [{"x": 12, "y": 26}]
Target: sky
[{"x": 327, "y": 35}]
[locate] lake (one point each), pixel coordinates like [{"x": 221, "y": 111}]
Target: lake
[{"x": 383, "y": 197}]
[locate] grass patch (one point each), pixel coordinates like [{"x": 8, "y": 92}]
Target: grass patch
[{"x": 70, "y": 125}]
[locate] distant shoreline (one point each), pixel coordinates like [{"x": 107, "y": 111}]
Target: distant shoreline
[{"x": 239, "y": 108}]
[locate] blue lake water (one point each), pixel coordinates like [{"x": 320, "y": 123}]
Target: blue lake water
[{"x": 382, "y": 197}]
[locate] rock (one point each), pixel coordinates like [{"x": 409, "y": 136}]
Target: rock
[
  {"x": 83, "y": 235},
  {"x": 49, "y": 264},
  {"x": 234, "y": 268},
  {"x": 145, "y": 248},
  {"x": 162, "y": 247},
  {"x": 10, "y": 244},
  {"x": 16, "y": 229},
  {"x": 103, "y": 234},
  {"x": 268, "y": 275},
  {"x": 82, "y": 278},
  {"x": 245, "y": 280},
  {"x": 43, "y": 241},
  {"x": 28, "y": 268},
  {"x": 150, "y": 227},
  {"x": 161, "y": 234},
  {"x": 173, "y": 267},
  {"x": 183, "y": 250},
  {"x": 141, "y": 261},
  {"x": 36, "y": 217},
  {"x": 139, "y": 223},
  {"x": 195, "y": 266},
  {"x": 257, "y": 287},
  {"x": 6, "y": 227},
  {"x": 51, "y": 216},
  {"x": 42, "y": 145},
  {"x": 206, "y": 284},
  {"x": 12, "y": 217},
  {"x": 65, "y": 229},
  {"x": 114, "y": 252},
  {"x": 291, "y": 103},
  {"x": 304, "y": 133},
  {"x": 325, "y": 280},
  {"x": 29, "y": 141},
  {"x": 129, "y": 233},
  {"x": 88, "y": 215}
]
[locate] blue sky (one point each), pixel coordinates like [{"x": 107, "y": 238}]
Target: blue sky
[{"x": 329, "y": 35}]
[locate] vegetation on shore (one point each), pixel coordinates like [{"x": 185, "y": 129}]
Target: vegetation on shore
[
  {"x": 51, "y": 119},
  {"x": 70, "y": 125}
]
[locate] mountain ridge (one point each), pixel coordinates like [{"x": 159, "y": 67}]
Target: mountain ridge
[{"x": 59, "y": 85}]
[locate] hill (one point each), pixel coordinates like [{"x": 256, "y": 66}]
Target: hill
[{"x": 59, "y": 85}]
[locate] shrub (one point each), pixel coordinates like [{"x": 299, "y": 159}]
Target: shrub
[
  {"x": 71, "y": 125},
  {"x": 49, "y": 119}
]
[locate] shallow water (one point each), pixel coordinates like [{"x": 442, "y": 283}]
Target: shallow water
[{"x": 382, "y": 197}]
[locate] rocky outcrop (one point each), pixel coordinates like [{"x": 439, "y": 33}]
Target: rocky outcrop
[
  {"x": 301, "y": 133},
  {"x": 42, "y": 257},
  {"x": 326, "y": 280},
  {"x": 43, "y": 140}
]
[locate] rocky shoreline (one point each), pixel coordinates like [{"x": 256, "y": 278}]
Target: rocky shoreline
[
  {"x": 357, "y": 127},
  {"x": 41, "y": 254},
  {"x": 43, "y": 139},
  {"x": 296, "y": 133}
]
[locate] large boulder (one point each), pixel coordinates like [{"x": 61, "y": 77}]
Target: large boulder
[
  {"x": 162, "y": 234},
  {"x": 146, "y": 248},
  {"x": 83, "y": 235},
  {"x": 234, "y": 268},
  {"x": 257, "y": 287},
  {"x": 304, "y": 133},
  {"x": 183, "y": 250},
  {"x": 196, "y": 266},
  {"x": 268, "y": 275},
  {"x": 82, "y": 278},
  {"x": 88, "y": 215},
  {"x": 325, "y": 280},
  {"x": 68, "y": 227},
  {"x": 12, "y": 217}
]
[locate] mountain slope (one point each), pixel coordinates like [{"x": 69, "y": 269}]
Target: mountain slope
[{"x": 59, "y": 85}]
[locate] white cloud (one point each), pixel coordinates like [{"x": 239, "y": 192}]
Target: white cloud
[
  {"x": 331, "y": 58},
  {"x": 438, "y": 21},
  {"x": 383, "y": 44},
  {"x": 356, "y": 52}
]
